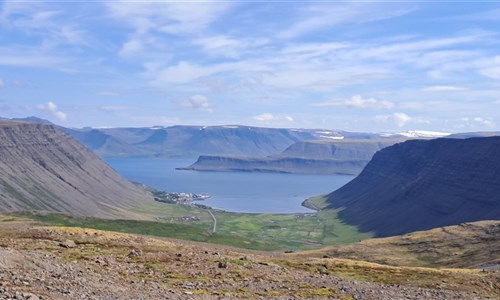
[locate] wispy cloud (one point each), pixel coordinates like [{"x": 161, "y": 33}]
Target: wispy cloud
[
  {"x": 116, "y": 108},
  {"x": 269, "y": 117},
  {"x": 316, "y": 17},
  {"x": 443, "y": 88},
  {"x": 26, "y": 57},
  {"x": 43, "y": 20},
  {"x": 108, "y": 94},
  {"x": 152, "y": 19},
  {"x": 359, "y": 102},
  {"x": 176, "y": 18}
]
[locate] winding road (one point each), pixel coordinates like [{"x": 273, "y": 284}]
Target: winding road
[{"x": 215, "y": 222}]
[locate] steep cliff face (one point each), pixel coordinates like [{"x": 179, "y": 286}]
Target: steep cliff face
[
  {"x": 418, "y": 185},
  {"x": 277, "y": 164},
  {"x": 42, "y": 168}
]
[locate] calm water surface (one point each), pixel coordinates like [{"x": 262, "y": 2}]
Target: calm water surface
[{"x": 231, "y": 191}]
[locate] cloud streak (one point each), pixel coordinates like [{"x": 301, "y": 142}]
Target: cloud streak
[
  {"x": 269, "y": 117},
  {"x": 358, "y": 102}
]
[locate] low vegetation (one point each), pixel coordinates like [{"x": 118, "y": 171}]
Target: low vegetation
[
  {"x": 271, "y": 232},
  {"x": 54, "y": 261},
  {"x": 468, "y": 245}
]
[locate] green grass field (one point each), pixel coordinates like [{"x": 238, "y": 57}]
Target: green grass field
[{"x": 271, "y": 232}]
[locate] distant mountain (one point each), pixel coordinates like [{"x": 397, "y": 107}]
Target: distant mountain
[
  {"x": 34, "y": 119},
  {"x": 277, "y": 164},
  {"x": 42, "y": 168},
  {"x": 417, "y": 134},
  {"x": 102, "y": 143},
  {"x": 193, "y": 141},
  {"x": 345, "y": 149},
  {"x": 335, "y": 156},
  {"x": 419, "y": 185},
  {"x": 188, "y": 141},
  {"x": 466, "y": 135}
]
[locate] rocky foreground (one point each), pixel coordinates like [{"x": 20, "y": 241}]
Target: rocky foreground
[{"x": 73, "y": 263}]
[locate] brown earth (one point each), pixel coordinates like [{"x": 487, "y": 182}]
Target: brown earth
[
  {"x": 468, "y": 245},
  {"x": 73, "y": 263}
]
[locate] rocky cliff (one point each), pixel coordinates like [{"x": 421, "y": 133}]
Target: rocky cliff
[
  {"x": 42, "y": 168},
  {"x": 418, "y": 185}
]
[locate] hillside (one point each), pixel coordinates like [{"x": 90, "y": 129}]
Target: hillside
[
  {"x": 42, "y": 168},
  {"x": 80, "y": 263},
  {"x": 419, "y": 185},
  {"x": 468, "y": 245},
  {"x": 345, "y": 156}
]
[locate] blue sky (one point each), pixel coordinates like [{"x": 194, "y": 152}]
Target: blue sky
[{"x": 359, "y": 66}]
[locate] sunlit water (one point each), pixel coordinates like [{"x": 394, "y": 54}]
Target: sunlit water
[{"x": 231, "y": 191}]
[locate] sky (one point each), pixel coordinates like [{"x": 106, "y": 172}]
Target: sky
[{"x": 351, "y": 65}]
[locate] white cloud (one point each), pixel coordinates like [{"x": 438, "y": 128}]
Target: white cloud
[
  {"x": 443, "y": 88},
  {"x": 52, "y": 108},
  {"x": 196, "y": 102},
  {"x": 358, "y": 102},
  {"x": 268, "y": 117},
  {"x": 484, "y": 122},
  {"x": 476, "y": 121},
  {"x": 398, "y": 118}
]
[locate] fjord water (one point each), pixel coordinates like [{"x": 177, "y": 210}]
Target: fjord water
[{"x": 231, "y": 191}]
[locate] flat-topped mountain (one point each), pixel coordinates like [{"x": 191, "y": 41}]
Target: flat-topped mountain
[
  {"x": 42, "y": 168},
  {"x": 342, "y": 156},
  {"x": 419, "y": 185}
]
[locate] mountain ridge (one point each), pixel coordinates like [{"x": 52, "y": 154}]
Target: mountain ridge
[{"x": 419, "y": 185}]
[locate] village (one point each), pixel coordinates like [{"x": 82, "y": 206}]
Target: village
[{"x": 187, "y": 199}]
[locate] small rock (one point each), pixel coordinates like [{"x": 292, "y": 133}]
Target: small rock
[
  {"x": 67, "y": 244},
  {"x": 222, "y": 265},
  {"x": 134, "y": 253},
  {"x": 30, "y": 296}
]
